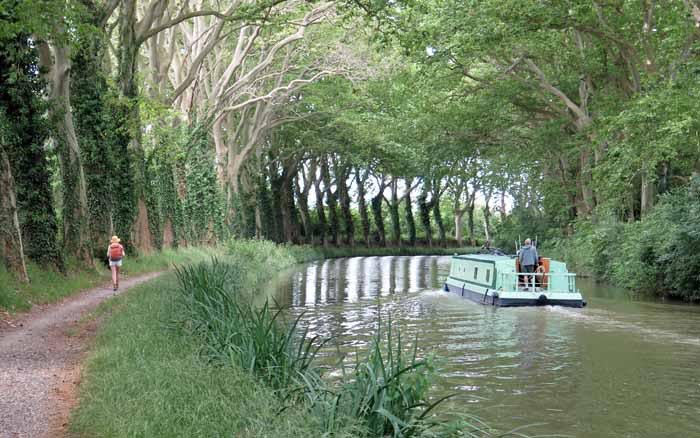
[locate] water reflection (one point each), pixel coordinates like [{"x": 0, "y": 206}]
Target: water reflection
[
  {"x": 617, "y": 368},
  {"x": 352, "y": 279}
]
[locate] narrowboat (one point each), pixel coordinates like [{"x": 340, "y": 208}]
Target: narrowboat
[{"x": 496, "y": 280}]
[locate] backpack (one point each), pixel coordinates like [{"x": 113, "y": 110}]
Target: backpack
[{"x": 116, "y": 252}]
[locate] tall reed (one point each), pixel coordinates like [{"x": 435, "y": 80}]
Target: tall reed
[
  {"x": 234, "y": 330},
  {"x": 385, "y": 392}
]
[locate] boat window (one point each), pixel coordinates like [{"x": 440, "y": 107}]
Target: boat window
[
  {"x": 488, "y": 274},
  {"x": 476, "y": 271}
]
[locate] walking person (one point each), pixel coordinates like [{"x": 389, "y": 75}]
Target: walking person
[
  {"x": 528, "y": 260},
  {"x": 115, "y": 253}
]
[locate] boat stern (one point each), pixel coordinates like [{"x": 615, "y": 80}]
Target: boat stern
[{"x": 539, "y": 298}]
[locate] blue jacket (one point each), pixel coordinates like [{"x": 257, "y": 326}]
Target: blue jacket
[{"x": 528, "y": 255}]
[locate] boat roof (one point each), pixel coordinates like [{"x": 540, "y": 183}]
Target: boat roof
[{"x": 489, "y": 257}]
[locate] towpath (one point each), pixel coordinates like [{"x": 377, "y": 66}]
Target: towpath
[{"x": 40, "y": 357}]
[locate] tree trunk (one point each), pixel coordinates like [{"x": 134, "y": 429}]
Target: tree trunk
[
  {"x": 459, "y": 225},
  {"x": 457, "y": 210},
  {"x": 221, "y": 151},
  {"x": 332, "y": 203},
  {"x": 395, "y": 224},
  {"x": 261, "y": 198},
  {"x": 408, "y": 209},
  {"x": 438, "y": 221},
  {"x": 631, "y": 217},
  {"x": 394, "y": 214},
  {"x": 341, "y": 179},
  {"x": 23, "y": 122},
  {"x": 283, "y": 193},
  {"x": 362, "y": 206},
  {"x": 303, "y": 202},
  {"x": 487, "y": 222},
  {"x": 502, "y": 208},
  {"x": 587, "y": 196},
  {"x": 128, "y": 65},
  {"x": 319, "y": 209},
  {"x": 470, "y": 219},
  {"x": 94, "y": 125},
  {"x": 378, "y": 218},
  {"x": 486, "y": 232},
  {"x": 277, "y": 208},
  {"x": 75, "y": 208},
  {"x": 425, "y": 215},
  {"x": 487, "y": 214},
  {"x": 287, "y": 206},
  {"x": 11, "y": 248},
  {"x": 648, "y": 193},
  {"x": 663, "y": 178}
]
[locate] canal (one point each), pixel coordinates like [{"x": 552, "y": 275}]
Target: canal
[{"x": 617, "y": 368}]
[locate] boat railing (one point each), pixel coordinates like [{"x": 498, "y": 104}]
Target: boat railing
[{"x": 538, "y": 282}]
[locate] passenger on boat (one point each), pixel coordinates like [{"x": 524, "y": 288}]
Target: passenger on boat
[{"x": 528, "y": 260}]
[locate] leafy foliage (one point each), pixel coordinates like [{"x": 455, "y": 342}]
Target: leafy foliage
[
  {"x": 655, "y": 255},
  {"x": 22, "y": 103},
  {"x": 203, "y": 203}
]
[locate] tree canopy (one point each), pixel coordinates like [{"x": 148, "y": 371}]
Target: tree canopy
[{"x": 338, "y": 122}]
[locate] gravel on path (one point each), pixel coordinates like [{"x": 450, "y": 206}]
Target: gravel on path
[{"x": 40, "y": 362}]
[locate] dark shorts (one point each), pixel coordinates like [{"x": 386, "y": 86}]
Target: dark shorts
[{"x": 529, "y": 268}]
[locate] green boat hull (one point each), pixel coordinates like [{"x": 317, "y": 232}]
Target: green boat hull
[{"x": 493, "y": 299}]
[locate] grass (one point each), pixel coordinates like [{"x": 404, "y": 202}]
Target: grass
[
  {"x": 48, "y": 286},
  {"x": 144, "y": 379}
]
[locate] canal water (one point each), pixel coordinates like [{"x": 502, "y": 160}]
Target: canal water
[{"x": 617, "y": 368}]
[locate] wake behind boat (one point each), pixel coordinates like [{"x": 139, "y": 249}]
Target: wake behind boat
[{"x": 497, "y": 280}]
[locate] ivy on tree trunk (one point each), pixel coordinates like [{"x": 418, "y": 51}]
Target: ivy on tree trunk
[
  {"x": 21, "y": 91},
  {"x": 410, "y": 222},
  {"x": 95, "y": 127},
  {"x": 362, "y": 205}
]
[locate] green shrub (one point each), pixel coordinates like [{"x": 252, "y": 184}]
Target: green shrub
[
  {"x": 676, "y": 238},
  {"x": 591, "y": 250},
  {"x": 657, "y": 255}
]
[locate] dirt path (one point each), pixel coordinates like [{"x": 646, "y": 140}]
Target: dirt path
[{"x": 40, "y": 363}]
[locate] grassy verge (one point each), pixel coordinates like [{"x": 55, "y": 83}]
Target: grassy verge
[
  {"x": 47, "y": 286},
  {"x": 145, "y": 379}
]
